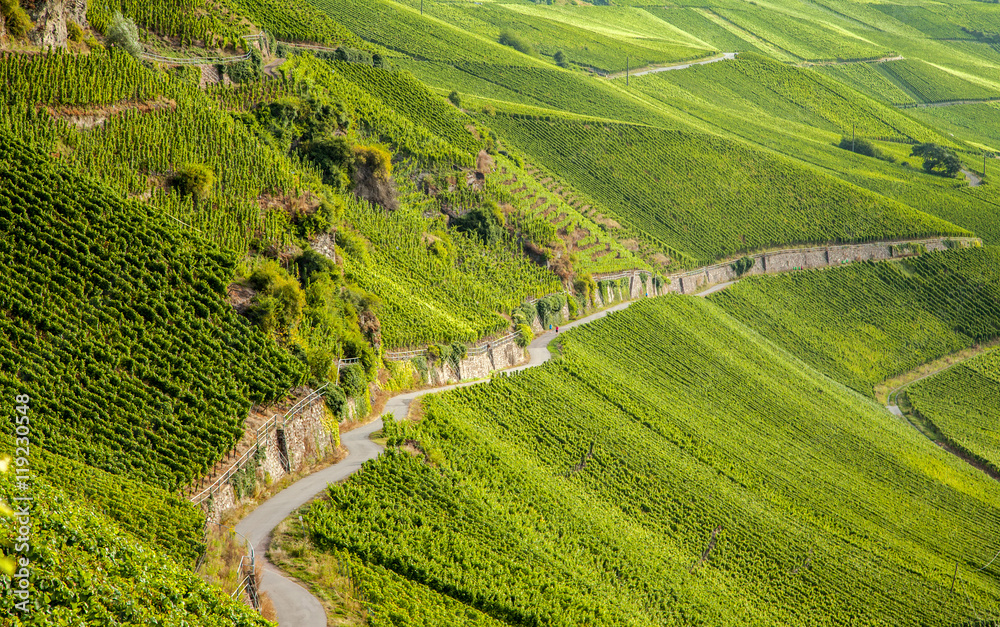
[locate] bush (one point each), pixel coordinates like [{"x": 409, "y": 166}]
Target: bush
[
  {"x": 455, "y": 98},
  {"x": 742, "y": 265},
  {"x": 247, "y": 71},
  {"x": 74, "y": 32},
  {"x": 508, "y": 38},
  {"x": 279, "y": 302},
  {"x": 373, "y": 176},
  {"x": 352, "y": 379},
  {"x": 18, "y": 22},
  {"x": 336, "y": 400},
  {"x": 560, "y": 59},
  {"x": 194, "y": 180},
  {"x": 864, "y": 147},
  {"x": 333, "y": 156},
  {"x": 525, "y": 335},
  {"x": 124, "y": 34}
]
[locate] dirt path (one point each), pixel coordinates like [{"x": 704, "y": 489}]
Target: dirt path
[
  {"x": 973, "y": 179},
  {"x": 945, "y": 103},
  {"x": 725, "y": 56},
  {"x": 879, "y": 60}
]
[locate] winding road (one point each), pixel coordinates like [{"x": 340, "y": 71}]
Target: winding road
[{"x": 296, "y": 606}]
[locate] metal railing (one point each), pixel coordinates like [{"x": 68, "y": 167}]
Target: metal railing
[
  {"x": 262, "y": 431},
  {"x": 205, "y": 60}
]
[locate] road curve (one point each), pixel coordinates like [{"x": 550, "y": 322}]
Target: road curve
[{"x": 296, "y": 606}]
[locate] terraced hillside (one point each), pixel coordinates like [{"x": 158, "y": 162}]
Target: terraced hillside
[
  {"x": 962, "y": 403},
  {"x": 758, "y": 490},
  {"x": 867, "y": 322}
]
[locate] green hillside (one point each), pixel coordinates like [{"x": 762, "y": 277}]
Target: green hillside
[
  {"x": 86, "y": 571},
  {"x": 122, "y": 291},
  {"x": 549, "y": 497},
  {"x": 867, "y": 322},
  {"x": 709, "y": 197},
  {"x": 963, "y": 403}
]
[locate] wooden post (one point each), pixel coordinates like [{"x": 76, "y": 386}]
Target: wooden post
[
  {"x": 953, "y": 577},
  {"x": 626, "y": 70}
]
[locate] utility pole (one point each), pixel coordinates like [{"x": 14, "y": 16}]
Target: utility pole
[
  {"x": 984, "y": 164},
  {"x": 626, "y": 70},
  {"x": 421, "y": 7},
  {"x": 853, "y": 127}
]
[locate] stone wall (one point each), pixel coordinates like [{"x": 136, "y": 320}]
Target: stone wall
[
  {"x": 478, "y": 366},
  {"x": 804, "y": 259},
  {"x": 305, "y": 439}
]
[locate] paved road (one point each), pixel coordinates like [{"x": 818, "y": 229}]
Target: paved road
[{"x": 296, "y": 606}]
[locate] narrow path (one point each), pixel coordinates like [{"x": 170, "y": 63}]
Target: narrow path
[
  {"x": 945, "y": 103},
  {"x": 973, "y": 179},
  {"x": 898, "y": 57},
  {"x": 296, "y": 606},
  {"x": 726, "y": 56}
]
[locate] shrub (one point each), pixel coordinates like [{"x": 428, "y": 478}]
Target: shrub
[
  {"x": 373, "y": 176},
  {"x": 336, "y": 400},
  {"x": 354, "y": 246},
  {"x": 352, "y": 379},
  {"x": 455, "y": 98},
  {"x": 279, "y": 302},
  {"x": 525, "y": 335},
  {"x": 194, "y": 180},
  {"x": 560, "y": 59},
  {"x": 515, "y": 41},
  {"x": 18, "y": 22},
  {"x": 247, "y": 71},
  {"x": 864, "y": 147},
  {"x": 332, "y": 155},
  {"x": 74, "y": 32},
  {"x": 742, "y": 265},
  {"x": 124, "y": 34}
]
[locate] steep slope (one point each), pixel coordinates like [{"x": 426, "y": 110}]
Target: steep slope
[
  {"x": 99, "y": 298},
  {"x": 865, "y": 323},
  {"x": 629, "y": 484}
]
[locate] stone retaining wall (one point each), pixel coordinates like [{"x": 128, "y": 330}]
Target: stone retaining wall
[
  {"x": 304, "y": 440},
  {"x": 805, "y": 259}
]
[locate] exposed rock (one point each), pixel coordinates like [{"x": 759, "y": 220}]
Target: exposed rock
[
  {"x": 3, "y": 27},
  {"x": 50, "y": 18},
  {"x": 76, "y": 10}
]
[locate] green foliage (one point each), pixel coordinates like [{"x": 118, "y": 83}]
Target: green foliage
[
  {"x": 248, "y": 70},
  {"x": 454, "y": 98},
  {"x": 864, "y": 147},
  {"x": 195, "y": 180},
  {"x": 560, "y": 58},
  {"x": 333, "y": 157},
  {"x": 516, "y": 42},
  {"x": 17, "y": 21},
  {"x": 524, "y": 335},
  {"x": 867, "y": 322},
  {"x": 189, "y": 21},
  {"x": 742, "y": 265},
  {"x": 296, "y": 20},
  {"x": 86, "y": 570},
  {"x": 74, "y": 32},
  {"x": 680, "y": 189},
  {"x": 600, "y": 512},
  {"x": 123, "y": 33},
  {"x": 127, "y": 294},
  {"x": 353, "y": 381},
  {"x": 279, "y": 301},
  {"x": 936, "y": 157},
  {"x": 963, "y": 403},
  {"x": 244, "y": 480},
  {"x": 931, "y": 84}
]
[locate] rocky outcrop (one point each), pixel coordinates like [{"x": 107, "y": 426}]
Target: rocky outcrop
[{"x": 50, "y": 16}]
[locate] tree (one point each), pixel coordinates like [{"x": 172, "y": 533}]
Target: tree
[
  {"x": 455, "y": 98},
  {"x": 935, "y": 157},
  {"x": 560, "y": 59},
  {"x": 124, "y": 34}
]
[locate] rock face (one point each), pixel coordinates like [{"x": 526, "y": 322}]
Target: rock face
[{"x": 50, "y": 18}]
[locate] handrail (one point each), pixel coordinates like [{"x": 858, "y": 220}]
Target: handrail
[
  {"x": 263, "y": 429},
  {"x": 205, "y": 60}
]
